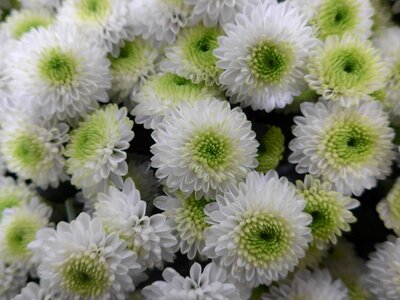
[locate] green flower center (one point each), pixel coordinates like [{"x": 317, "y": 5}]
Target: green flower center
[
  {"x": 58, "y": 67},
  {"x": 210, "y": 150},
  {"x": 87, "y": 139},
  {"x": 198, "y": 46},
  {"x": 349, "y": 143},
  {"x": 85, "y": 275},
  {"x": 336, "y": 17},
  {"x": 270, "y": 62},
  {"x": 177, "y": 89},
  {"x": 130, "y": 57},
  {"x": 325, "y": 212},
  {"x": 93, "y": 9},
  {"x": 29, "y": 23},
  {"x": 192, "y": 216},
  {"x": 28, "y": 150},
  {"x": 19, "y": 233},
  {"x": 263, "y": 238},
  {"x": 348, "y": 67}
]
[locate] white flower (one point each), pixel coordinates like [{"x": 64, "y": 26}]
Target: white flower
[
  {"x": 317, "y": 285},
  {"x": 33, "y": 291},
  {"x": 211, "y": 283},
  {"x": 337, "y": 17},
  {"x": 33, "y": 150},
  {"x": 107, "y": 20},
  {"x": 214, "y": 12},
  {"x": 350, "y": 147},
  {"x": 13, "y": 194},
  {"x": 80, "y": 261},
  {"x": 159, "y": 20},
  {"x": 187, "y": 218},
  {"x": 20, "y": 22},
  {"x": 12, "y": 278},
  {"x": 134, "y": 64},
  {"x": 162, "y": 93},
  {"x": 329, "y": 209},
  {"x": 259, "y": 230},
  {"x": 7, "y": 103},
  {"x": 58, "y": 72},
  {"x": 124, "y": 213},
  {"x": 96, "y": 151},
  {"x": 346, "y": 69},
  {"x": 389, "y": 208},
  {"x": 143, "y": 177},
  {"x": 192, "y": 55},
  {"x": 388, "y": 41},
  {"x": 263, "y": 55},
  {"x": 383, "y": 277},
  {"x": 18, "y": 228},
  {"x": 204, "y": 147}
]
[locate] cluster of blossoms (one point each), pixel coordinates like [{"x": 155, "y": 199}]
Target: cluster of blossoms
[{"x": 199, "y": 149}]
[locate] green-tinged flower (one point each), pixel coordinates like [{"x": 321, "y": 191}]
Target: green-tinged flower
[
  {"x": 338, "y": 17},
  {"x": 192, "y": 56},
  {"x": 96, "y": 151},
  {"x": 389, "y": 208},
  {"x": 19, "y": 227},
  {"x": 93, "y": 9},
  {"x": 329, "y": 209},
  {"x": 23, "y": 21},
  {"x": 313, "y": 258},
  {"x": 187, "y": 218},
  {"x": 13, "y": 194},
  {"x": 129, "y": 70},
  {"x": 346, "y": 69},
  {"x": 272, "y": 146},
  {"x": 163, "y": 92},
  {"x": 34, "y": 151}
]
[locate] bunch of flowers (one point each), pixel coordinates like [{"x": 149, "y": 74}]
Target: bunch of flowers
[{"x": 199, "y": 149}]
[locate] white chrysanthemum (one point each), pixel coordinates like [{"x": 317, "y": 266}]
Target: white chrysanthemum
[
  {"x": 134, "y": 64},
  {"x": 310, "y": 286},
  {"x": 162, "y": 93},
  {"x": 259, "y": 230},
  {"x": 337, "y": 17},
  {"x": 263, "y": 55},
  {"x": 13, "y": 194},
  {"x": 12, "y": 278},
  {"x": 80, "y": 261},
  {"x": 350, "y": 147},
  {"x": 33, "y": 150},
  {"x": 18, "y": 228},
  {"x": 96, "y": 151},
  {"x": 346, "y": 69},
  {"x": 22, "y": 21},
  {"x": 159, "y": 20},
  {"x": 143, "y": 177},
  {"x": 383, "y": 278},
  {"x": 204, "y": 148},
  {"x": 214, "y": 12},
  {"x": 7, "y": 103},
  {"x": 40, "y": 4},
  {"x": 107, "y": 20},
  {"x": 211, "y": 283},
  {"x": 329, "y": 209},
  {"x": 192, "y": 55},
  {"x": 58, "y": 72},
  {"x": 389, "y": 208},
  {"x": 388, "y": 41},
  {"x": 124, "y": 213},
  {"x": 187, "y": 218},
  {"x": 33, "y": 291}
]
